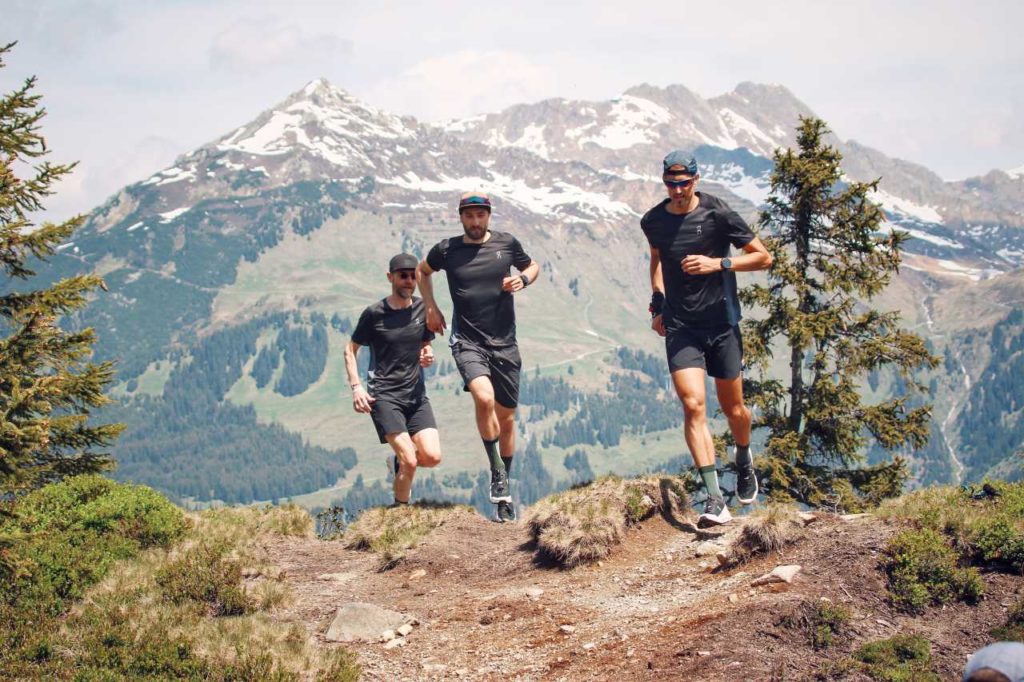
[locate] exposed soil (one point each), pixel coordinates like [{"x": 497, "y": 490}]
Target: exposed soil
[{"x": 653, "y": 610}]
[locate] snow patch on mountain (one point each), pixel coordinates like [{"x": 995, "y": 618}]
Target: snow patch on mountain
[
  {"x": 171, "y": 215},
  {"x": 753, "y": 189},
  {"x": 905, "y": 207},
  {"x": 172, "y": 174},
  {"x": 737, "y": 125},
  {"x": 1017, "y": 173},
  {"x": 554, "y": 200},
  {"x": 632, "y": 118}
]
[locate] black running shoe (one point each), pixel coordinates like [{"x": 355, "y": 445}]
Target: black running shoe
[
  {"x": 499, "y": 486},
  {"x": 746, "y": 484},
  {"x": 506, "y": 512},
  {"x": 715, "y": 513}
]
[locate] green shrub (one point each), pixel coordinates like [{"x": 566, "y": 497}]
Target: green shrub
[
  {"x": 821, "y": 621},
  {"x": 923, "y": 569},
  {"x": 204, "y": 575},
  {"x": 903, "y": 658},
  {"x": 1013, "y": 630}
]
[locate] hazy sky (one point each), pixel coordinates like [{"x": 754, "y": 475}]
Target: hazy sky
[{"x": 129, "y": 85}]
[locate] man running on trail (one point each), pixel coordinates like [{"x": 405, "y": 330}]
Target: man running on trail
[
  {"x": 696, "y": 308},
  {"x": 483, "y": 337},
  {"x": 396, "y": 331}
]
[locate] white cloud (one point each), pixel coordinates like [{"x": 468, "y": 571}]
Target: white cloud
[
  {"x": 255, "y": 44},
  {"x": 464, "y": 83}
]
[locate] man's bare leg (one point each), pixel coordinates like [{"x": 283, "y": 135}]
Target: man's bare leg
[
  {"x": 490, "y": 432},
  {"x": 405, "y": 450},
  {"x": 730, "y": 397}
]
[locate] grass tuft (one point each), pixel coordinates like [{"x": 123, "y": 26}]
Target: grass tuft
[
  {"x": 903, "y": 658},
  {"x": 390, "y": 532},
  {"x": 821, "y": 621},
  {"x": 582, "y": 525},
  {"x": 768, "y": 531},
  {"x": 1013, "y": 630}
]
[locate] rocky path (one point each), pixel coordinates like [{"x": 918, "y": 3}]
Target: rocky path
[{"x": 483, "y": 607}]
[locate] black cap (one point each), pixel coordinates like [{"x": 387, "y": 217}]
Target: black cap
[{"x": 403, "y": 261}]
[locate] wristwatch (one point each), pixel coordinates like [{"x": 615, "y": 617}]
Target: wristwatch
[
  {"x": 726, "y": 263},
  {"x": 526, "y": 280}
]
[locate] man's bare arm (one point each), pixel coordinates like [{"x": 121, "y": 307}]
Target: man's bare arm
[
  {"x": 361, "y": 400},
  {"x": 435, "y": 319}
]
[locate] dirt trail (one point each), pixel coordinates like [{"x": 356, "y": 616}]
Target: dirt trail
[{"x": 654, "y": 610}]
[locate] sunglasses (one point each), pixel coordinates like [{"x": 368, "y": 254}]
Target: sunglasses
[
  {"x": 405, "y": 274},
  {"x": 678, "y": 183}
]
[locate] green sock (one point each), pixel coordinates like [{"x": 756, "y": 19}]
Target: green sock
[
  {"x": 507, "y": 461},
  {"x": 710, "y": 476},
  {"x": 491, "y": 446}
]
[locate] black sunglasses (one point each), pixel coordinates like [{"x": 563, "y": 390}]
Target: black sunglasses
[{"x": 678, "y": 183}]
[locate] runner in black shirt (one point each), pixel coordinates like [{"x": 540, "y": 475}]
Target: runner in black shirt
[
  {"x": 396, "y": 331},
  {"x": 695, "y": 306},
  {"x": 483, "y": 338}
]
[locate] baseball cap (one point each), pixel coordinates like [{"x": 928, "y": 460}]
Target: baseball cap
[
  {"x": 474, "y": 199},
  {"x": 403, "y": 261},
  {"x": 1004, "y": 657},
  {"x": 680, "y": 158}
]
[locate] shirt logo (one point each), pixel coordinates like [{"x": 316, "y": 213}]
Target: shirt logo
[{"x": 498, "y": 255}]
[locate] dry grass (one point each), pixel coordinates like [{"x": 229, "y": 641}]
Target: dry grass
[
  {"x": 130, "y": 605},
  {"x": 768, "y": 531},
  {"x": 582, "y": 525},
  {"x": 391, "y": 532}
]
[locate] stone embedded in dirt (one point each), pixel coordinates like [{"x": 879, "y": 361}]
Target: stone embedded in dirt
[
  {"x": 779, "y": 574},
  {"x": 534, "y": 592},
  {"x": 589, "y": 645},
  {"x": 357, "y": 621},
  {"x": 707, "y": 548},
  {"x": 434, "y": 667},
  {"x": 734, "y": 597},
  {"x": 703, "y": 653},
  {"x": 387, "y": 635},
  {"x": 395, "y": 643},
  {"x": 404, "y": 630},
  {"x": 854, "y": 517},
  {"x": 807, "y": 518},
  {"x": 336, "y": 577},
  {"x": 567, "y": 629},
  {"x": 417, "y": 574}
]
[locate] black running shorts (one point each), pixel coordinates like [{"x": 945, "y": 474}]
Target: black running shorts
[
  {"x": 717, "y": 350},
  {"x": 502, "y": 365},
  {"x": 396, "y": 417}
]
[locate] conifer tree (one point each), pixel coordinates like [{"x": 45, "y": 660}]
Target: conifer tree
[
  {"x": 832, "y": 255},
  {"x": 48, "y": 386}
]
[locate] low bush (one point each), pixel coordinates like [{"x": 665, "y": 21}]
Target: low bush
[
  {"x": 205, "y": 575},
  {"x": 923, "y": 568}
]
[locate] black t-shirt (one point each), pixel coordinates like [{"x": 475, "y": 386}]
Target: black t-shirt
[
  {"x": 395, "y": 338},
  {"x": 708, "y": 230},
  {"x": 484, "y": 313}
]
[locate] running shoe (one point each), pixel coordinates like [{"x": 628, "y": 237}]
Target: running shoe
[
  {"x": 499, "y": 486},
  {"x": 715, "y": 513},
  {"x": 506, "y": 512},
  {"x": 746, "y": 484}
]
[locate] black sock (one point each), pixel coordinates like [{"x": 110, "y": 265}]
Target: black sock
[
  {"x": 491, "y": 446},
  {"x": 743, "y": 459},
  {"x": 508, "y": 465}
]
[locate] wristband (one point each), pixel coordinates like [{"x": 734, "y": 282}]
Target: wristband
[
  {"x": 657, "y": 303},
  {"x": 525, "y": 280}
]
